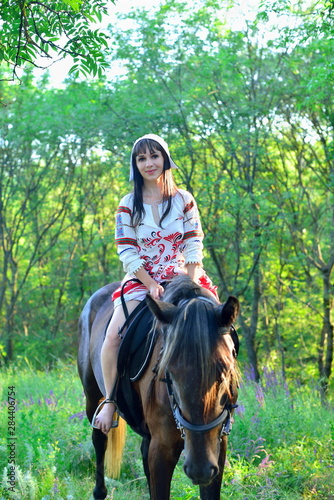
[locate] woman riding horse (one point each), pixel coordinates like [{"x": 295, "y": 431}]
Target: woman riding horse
[{"x": 158, "y": 236}]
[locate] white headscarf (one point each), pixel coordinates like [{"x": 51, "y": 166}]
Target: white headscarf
[{"x": 157, "y": 139}]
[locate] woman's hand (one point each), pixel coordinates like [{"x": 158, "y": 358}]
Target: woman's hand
[{"x": 156, "y": 290}]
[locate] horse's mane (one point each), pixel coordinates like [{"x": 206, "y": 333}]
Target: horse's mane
[
  {"x": 182, "y": 288},
  {"x": 193, "y": 337}
]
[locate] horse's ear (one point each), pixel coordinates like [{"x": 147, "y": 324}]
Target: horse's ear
[
  {"x": 163, "y": 311},
  {"x": 227, "y": 313}
]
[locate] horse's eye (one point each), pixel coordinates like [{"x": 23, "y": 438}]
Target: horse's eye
[{"x": 223, "y": 400}]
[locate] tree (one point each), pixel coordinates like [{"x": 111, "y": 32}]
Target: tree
[
  {"x": 34, "y": 30},
  {"x": 217, "y": 95},
  {"x": 305, "y": 142},
  {"x": 310, "y": 215},
  {"x": 52, "y": 182},
  {"x": 209, "y": 92},
  {"x": 250, "y": 126}
]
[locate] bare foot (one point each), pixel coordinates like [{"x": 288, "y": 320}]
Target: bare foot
[{"x": 104, "y": 418}]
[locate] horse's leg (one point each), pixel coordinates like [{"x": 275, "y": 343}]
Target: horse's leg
[
  {"x": 145, "y": 444},
  {"x": 212, "y": 492},
  {"x": 162, "y": 450},
  {"x": 100, "y": 444},
  {"x": 100, "y": 441},
  {"x": 162, "y": 459},
  {"x": 93, "y": 396},
  {"x": 93, "y": 320}
]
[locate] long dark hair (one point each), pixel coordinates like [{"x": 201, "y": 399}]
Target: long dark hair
[{"x": 169, "y": 187}]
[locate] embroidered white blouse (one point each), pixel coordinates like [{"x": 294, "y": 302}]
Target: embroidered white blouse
[{"x": 162, "y": 251}]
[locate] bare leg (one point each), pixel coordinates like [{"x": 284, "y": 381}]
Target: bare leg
[{"x": 109, "y": 355}]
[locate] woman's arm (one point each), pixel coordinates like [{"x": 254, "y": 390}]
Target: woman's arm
[
  {"x": 194, "y": 271},
  {"x": 156, "y": 290},
  {"x": 192, "y": 237},
  {"x": 126, "y": 238}
]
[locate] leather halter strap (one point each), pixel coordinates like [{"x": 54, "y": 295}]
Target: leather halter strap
[
  {"x": 200, "y": 428},
  {"x": 224, "y": 418}
]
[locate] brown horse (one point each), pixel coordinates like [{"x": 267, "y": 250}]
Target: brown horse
[{"x": 186, "y": 394}]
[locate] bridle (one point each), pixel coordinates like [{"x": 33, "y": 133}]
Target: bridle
[
  {"x": 224, "y": 419},
  {"x": 181, "y": 423}
]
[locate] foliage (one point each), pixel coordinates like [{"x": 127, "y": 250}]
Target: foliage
[
  {"x": 246, "y": 123},
  {"x": 33, "y": 31},
  {"x": 53, "y": 190},
  {"x": 280, "y": 445},
  {"x": 249, "y": 119}
]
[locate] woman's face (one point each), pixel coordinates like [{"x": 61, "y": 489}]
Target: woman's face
[{"x": 150, "y": 165}]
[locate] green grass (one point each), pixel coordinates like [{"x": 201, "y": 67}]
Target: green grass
[{"x": 281, "y": 445}]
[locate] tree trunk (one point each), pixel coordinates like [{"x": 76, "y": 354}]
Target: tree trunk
[
  {"x": 250, "y": 331},
  {"x": 9, "y": 338},
  {"x": 325, "y": 350}
]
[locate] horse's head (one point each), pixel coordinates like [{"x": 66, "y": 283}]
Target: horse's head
[{"x": 200, "y": 368}]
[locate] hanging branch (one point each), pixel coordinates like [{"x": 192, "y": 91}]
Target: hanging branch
[{"x": 30, "y": 29}]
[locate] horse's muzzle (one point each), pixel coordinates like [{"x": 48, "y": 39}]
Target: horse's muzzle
[{"x": 201, "y": 476}]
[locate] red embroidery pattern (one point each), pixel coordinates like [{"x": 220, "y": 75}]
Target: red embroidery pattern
[
  {"x": 188, "y": 207},
  {"x": 168, "y": 274},
  {"x": 126, "y": 241},
  {"x": 125, "y": 210},
  {"x": 173, "y": 237},
  {"x": 156, "y": 258},
  {"x": 192, "y": 234},
  {"x": 176, "y": 239},
  {"x": 151, "y": 242},
  {"x": 148, "y": 266},
  {"x": 131, "y": 287}
]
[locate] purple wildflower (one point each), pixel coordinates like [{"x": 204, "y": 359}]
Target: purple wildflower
[
  {"x": 80, "y": 415},
  {"x": 287, "y": 391},
  {"x": 259, "y": 395},
  {"x": 240, "y": 410},
  {"x": 270, "y": 379},
  {"x": 55, "y": 488},
  {"x": 250, "y": 373},
  {"x": 266, "y": 462}
]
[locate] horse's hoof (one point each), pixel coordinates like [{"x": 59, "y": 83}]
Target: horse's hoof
[{"x": 100, "y": 493}]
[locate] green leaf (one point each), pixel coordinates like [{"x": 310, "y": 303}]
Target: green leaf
[{"x": 74, "y": 4}]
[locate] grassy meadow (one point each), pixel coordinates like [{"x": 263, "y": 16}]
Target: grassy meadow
[{"x": 281, "y": 445}]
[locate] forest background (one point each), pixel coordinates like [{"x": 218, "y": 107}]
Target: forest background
[{"x": 248, "y": 114}]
